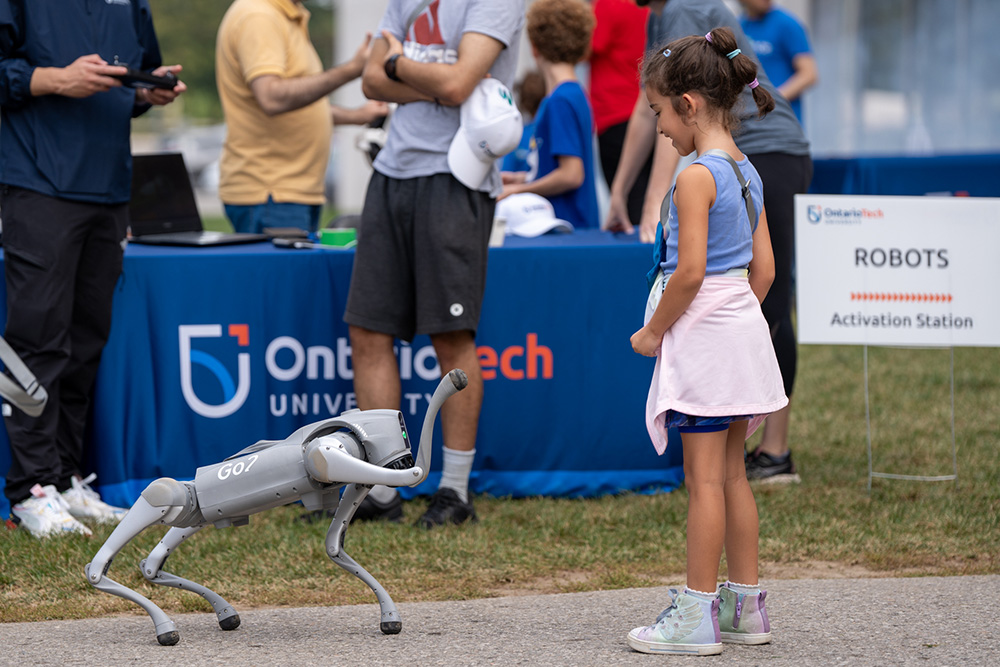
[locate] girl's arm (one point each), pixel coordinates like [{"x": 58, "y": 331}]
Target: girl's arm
[
  {"x": 762, "y": 264},
  {"x": 693, "y": 196}
]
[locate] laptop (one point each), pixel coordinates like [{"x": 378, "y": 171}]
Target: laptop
[{"x": 163, "y": 210}]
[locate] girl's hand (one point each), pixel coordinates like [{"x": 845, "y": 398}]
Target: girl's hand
[{"x": 645, "y": 342}]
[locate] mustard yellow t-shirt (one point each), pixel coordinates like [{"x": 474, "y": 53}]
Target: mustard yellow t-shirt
[{"x": 285, "y": 155}]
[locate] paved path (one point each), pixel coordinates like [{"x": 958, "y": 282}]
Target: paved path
[{"x": 918, "y": 621}]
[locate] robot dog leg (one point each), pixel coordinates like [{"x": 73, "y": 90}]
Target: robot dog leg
[
  {"x": 390, "y": 623},
  {"x": 165, "y": 501},
  {"x": 152, "y": 570}
]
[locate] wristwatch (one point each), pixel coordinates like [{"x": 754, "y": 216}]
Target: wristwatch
[{"x": 390, "y": 67}]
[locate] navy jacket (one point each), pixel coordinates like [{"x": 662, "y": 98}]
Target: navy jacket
[{"x": 75, "y": 149}]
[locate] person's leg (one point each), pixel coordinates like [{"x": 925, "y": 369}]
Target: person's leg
[
  {"x": 450, "y": 253},
  {"x": 376, "y": 372},
  {"x": 379, "y": 309},
  {"x": 460, "y": 414},
  {"x": 783, "y": 176},
  {"x": 742, "y": 524},
  {"x": 742, "y": 614},
  {"x": 41, "y": 246},
  {"x": 610, "y": 144},
  {"x": 690, "y": 625},
  {"x": 290, "y": 214},
  {"x": 705, "y": 479},
  {"x": 246, "y": 219},
  {"x": 96, "y": 276}
]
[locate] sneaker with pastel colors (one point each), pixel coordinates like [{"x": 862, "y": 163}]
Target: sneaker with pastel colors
[
  {"x": 45, "y": 513},
  {"x": 689, "y": 625},
  {"x": 85, "y": 503},
  {"x": 743, "y": 618}
]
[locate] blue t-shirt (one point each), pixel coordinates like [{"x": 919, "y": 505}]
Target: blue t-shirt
[
  {"x": 778, "y": 38},
  {"x": 730, "y": 237},
  {"x": 564, "y": 126}
]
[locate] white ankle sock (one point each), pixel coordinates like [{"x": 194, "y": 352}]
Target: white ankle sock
[
  {"x": 701, "y": 595},
  {"x": 744, "y": 589},
  {"x": 457, "y": 465},
  {"x": 383, "y": 495}
]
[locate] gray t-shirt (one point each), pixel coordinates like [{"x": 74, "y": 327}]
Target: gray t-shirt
[
  {"x": 421, "y": 132},
  {"x": 779, "y": 131}
]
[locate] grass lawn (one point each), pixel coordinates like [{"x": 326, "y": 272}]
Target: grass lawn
[{"x": 827, "y": 526}]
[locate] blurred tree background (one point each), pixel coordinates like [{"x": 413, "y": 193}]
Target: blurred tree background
[{"x": 187, "y": 30}]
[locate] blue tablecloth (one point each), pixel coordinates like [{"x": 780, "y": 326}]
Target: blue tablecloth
[
  {"x": 564, "y": 398},
  {"x": 974, "y": 175}
]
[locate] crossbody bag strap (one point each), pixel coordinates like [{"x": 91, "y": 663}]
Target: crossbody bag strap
[
  {"x": 744, "y": 185},
  {"x": 414, "y": 14}
]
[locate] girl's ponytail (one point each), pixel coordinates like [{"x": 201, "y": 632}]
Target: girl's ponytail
[{"x": 723, "y": 42}]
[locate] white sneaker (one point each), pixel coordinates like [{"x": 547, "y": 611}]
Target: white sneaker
[
  {"x": 45, "y": 513},
  {"x": 85, "y": 503}
]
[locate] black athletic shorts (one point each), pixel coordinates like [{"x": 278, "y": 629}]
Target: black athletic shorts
[{"x": 420, "y": 263}]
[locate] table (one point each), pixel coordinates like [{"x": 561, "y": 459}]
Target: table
[
  {"x": 212, "y": 349},
  {"x": 977, "y": 175}
]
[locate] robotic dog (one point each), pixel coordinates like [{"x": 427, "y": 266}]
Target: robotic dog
[{"x": 355, "y": 450}]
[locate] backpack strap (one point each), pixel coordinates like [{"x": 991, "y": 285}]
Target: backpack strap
[{"x": 744, "y": 185}]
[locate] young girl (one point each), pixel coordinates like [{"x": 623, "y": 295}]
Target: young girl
[{"x": 715, "y": 371}]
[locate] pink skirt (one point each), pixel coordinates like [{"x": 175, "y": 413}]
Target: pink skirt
[{"x": 716, "y": 361}]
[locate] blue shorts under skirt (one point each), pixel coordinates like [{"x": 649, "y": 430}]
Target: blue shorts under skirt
[{"x": 695, "y": 424}]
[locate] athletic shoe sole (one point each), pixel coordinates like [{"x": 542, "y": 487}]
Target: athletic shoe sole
[
  {"x": 783, "y": 478},
  {"x": 745, "y": 638},
  {"x": 644, "y": 646}
]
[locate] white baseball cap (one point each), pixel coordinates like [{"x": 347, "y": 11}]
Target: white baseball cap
[
  {"x": 491, "y": 127},
  {"x": 528, "y": 214}
]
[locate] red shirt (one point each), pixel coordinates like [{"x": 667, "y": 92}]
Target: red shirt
[{"x": 616, "y": 52}]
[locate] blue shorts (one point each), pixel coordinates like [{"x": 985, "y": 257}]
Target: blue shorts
[{"x": 695, "y": 424}]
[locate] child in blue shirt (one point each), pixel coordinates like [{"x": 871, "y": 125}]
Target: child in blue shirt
[
  {"x": 716, "y": 376},
  {"x": 562, "y": 148},
  {"x": 782, "y": 46}
]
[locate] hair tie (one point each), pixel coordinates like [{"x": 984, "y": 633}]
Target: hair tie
[
  {"x": 708, "y": 36},
  {"x": 666, "y": 53},
  {"x": 733, "y": 54},
  {"x": 753, "y": 84}
]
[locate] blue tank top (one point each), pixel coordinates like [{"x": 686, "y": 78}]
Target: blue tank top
[{"x": 730, "y": 237}]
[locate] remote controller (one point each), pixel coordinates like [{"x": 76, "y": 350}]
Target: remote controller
[{"x": 134, "y": 78}]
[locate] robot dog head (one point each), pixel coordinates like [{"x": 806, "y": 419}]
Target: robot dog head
[{"x": 378, "y": 437}]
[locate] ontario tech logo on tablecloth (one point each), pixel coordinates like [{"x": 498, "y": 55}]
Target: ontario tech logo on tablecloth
[
  {"x": 234, "y": 393},
  {"x": 317, "y": 380}
]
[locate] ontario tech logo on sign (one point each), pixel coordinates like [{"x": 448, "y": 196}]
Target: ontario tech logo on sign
[
  {"x": 234, "y": 393},
  {"x": 815, "y": 213}
]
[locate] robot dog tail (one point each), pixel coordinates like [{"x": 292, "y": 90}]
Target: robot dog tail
[{"x": 454, "y": 382}]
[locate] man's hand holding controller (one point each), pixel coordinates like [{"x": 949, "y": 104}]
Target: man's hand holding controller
[{"x": 91, "y": 74}]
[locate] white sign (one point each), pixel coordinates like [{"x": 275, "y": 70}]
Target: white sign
[{"x": 898, "y": 270}]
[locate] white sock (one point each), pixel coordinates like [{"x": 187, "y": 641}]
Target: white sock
[
  {"x": 744, "y": 589},
  {"x": 383, "y": 495},
  {"x": 701, "y": 595},
  {"x": 457, "y": 465}
]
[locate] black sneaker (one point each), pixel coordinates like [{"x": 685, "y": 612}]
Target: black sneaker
[
  {"x": 369, "y": 510},
  {"x": 372, "y": 510},
  {"x": 766, "y": 469},
  {"x": 447, "y": 507}
]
